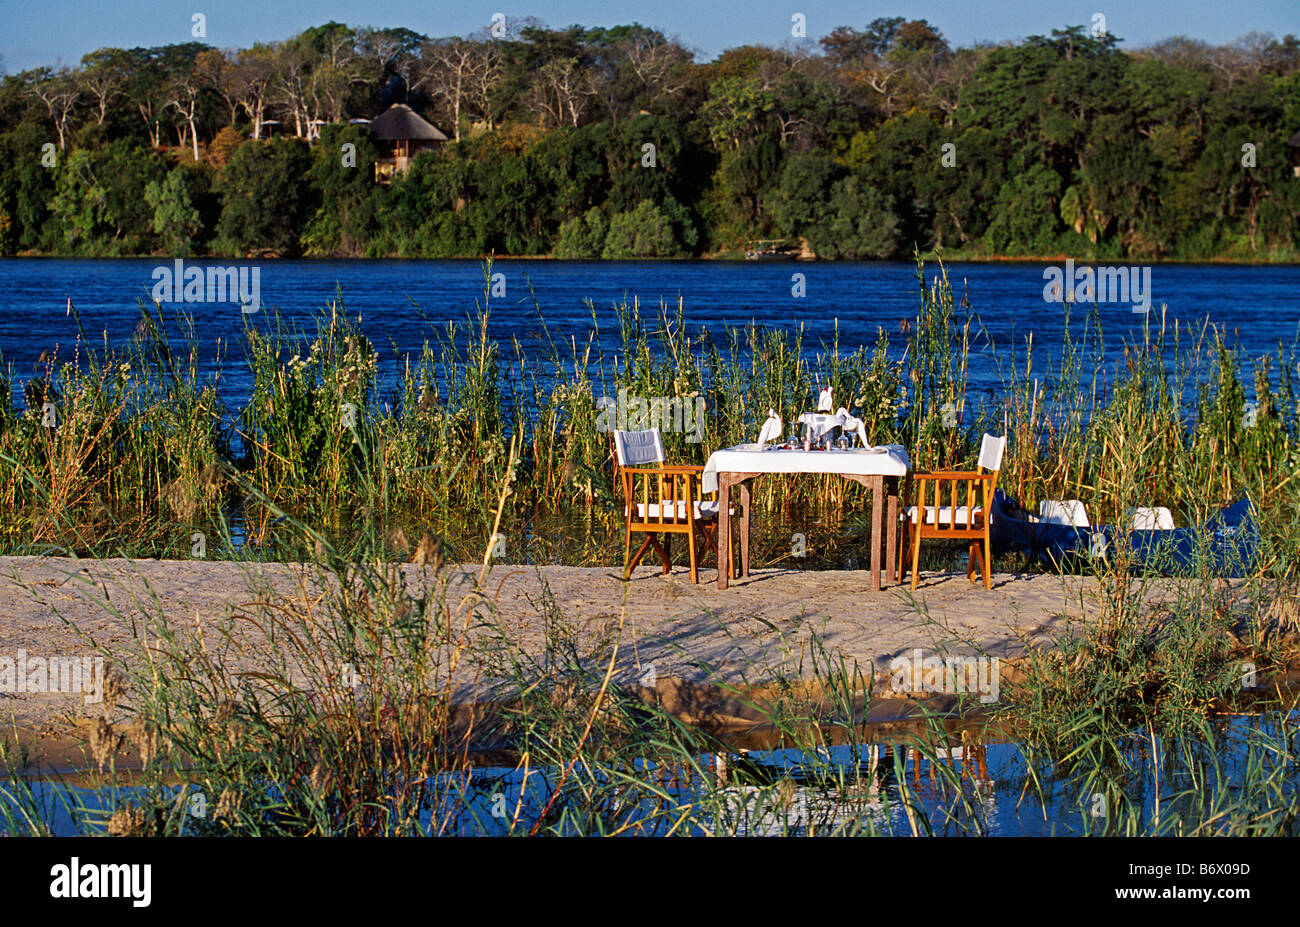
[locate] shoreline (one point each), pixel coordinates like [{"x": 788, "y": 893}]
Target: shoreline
[{"x": 707, "y": 258}]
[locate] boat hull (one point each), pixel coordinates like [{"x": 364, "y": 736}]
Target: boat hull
[{"x": 1228, "y": 542}]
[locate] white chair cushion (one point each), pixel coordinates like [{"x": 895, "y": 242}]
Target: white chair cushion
[
  {"x": 943, "y": 516},
  {"x": 704, "y": 510}
]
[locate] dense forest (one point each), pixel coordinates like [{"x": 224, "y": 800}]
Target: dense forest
[{"x": 618, "y": 143}]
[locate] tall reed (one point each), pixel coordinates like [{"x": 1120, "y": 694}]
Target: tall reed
[{"x": 141, "y": 452}]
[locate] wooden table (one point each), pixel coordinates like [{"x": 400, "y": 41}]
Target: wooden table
[{"x": 879, "y": 470}]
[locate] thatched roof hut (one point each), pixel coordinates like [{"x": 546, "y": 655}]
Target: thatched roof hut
[
  {"x": 401, "y": 131},
  {"x": 401, "y": 123}
]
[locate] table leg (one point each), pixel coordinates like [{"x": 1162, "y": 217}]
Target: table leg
[
  {"x": 724, "y": 534},
  {"x": 891, "y": 533},
  {"x": 877, "y": 516},
  {"x": 744, "y": 527}
]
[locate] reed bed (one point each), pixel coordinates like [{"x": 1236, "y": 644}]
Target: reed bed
[{"x": 128, "y": 449}]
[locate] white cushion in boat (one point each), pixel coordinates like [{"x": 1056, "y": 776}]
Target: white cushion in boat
[
  {"x": 1069, "y": 512},
  {"x": 1151, "y": 519}
]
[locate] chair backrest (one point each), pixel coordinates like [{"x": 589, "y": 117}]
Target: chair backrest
[
  {"x": 639, "y": 448},
  {"x": 1070, "y": 512},
  {"x": 991, "y": 449},
  {"x": 1154, "y": 519}
]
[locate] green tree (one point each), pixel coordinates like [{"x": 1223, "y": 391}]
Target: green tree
[
  {"x": 340, "y": 174},
  {"x": 905, "y": 164},
  {"x": 735, "y": 111},
  {"x": 176, "y": 219},
  {"x": 798, "y": 202},
  {"x": 863, "y": 224},
  {"x": 965, "y": 193},
  {"x": 643, "y": 233},
  {"x": 842, "y": 215},
  {"x": 1024, "y": 216},
  {"x": 264, "y": 198},
  {"x": 98, "y": 199},
  {"x": 26, "y": 189},
  {"x": 1117, "y": 182},
  {"x": 582, "y": 237}
]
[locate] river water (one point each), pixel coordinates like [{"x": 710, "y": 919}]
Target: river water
[{"x": 1256, "y": 306}]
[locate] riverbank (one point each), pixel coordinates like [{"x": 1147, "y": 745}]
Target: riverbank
[
  {"x": 728, "y": 255},
  {"x": 774, "y": 624},
  {"x": 769, "y": 620}
]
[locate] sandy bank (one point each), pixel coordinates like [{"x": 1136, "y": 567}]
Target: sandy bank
[{"x": 55, "y": 607}]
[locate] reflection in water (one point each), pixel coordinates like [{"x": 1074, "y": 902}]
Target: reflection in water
[{"x": 955, "y": 786}]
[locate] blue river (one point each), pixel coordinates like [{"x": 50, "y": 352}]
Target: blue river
[{"x": 1256, "y": 307}]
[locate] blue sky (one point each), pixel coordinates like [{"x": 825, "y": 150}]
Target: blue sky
[{"x": 57, "y": 31}]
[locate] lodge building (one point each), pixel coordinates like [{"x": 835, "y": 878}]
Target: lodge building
[{"x": 401, "y": 134}]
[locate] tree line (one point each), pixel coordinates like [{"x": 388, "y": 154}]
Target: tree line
[{"x": 618, "y": 143}]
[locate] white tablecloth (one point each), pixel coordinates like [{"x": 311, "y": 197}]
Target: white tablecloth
[{"x": 888, "y": 460}]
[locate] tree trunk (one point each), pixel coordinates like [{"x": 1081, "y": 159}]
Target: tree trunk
[
  {"x": 455, "y": 118},
  {"x": 150, "y": 124}
]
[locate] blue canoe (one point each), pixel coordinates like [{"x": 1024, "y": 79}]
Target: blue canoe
[{"x": 1228, "y": 541}]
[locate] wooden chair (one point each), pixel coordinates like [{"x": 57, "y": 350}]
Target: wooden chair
[
  {"x": 944, "y": 511},
  {"x": 661, "y": 500}
]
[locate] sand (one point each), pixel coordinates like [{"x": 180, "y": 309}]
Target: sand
[{"x": 764, "y": 625}]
